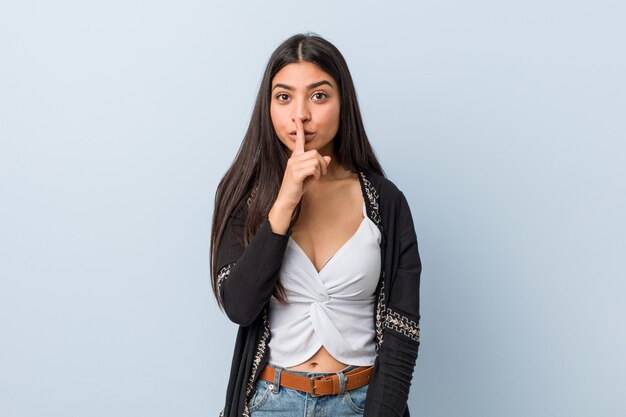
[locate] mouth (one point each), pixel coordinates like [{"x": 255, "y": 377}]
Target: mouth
[{"x": 307, "y": 135}]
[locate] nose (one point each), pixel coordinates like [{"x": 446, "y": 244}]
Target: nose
[{"x": 301, "y": 110}]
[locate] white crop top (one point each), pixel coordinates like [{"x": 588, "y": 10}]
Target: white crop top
[{"x": 333, "y": 308}]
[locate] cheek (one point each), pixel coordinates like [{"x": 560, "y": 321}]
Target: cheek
[
  {"x": 279, "y": 124},
  {"x": 330, "y": 117},
  {"x": 281, "y": 118}
]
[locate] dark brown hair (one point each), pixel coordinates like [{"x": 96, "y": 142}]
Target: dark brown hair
[{"x": 260, "y": 162}]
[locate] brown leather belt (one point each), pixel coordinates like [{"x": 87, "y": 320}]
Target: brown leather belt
[{"x": 320, "y": 385}]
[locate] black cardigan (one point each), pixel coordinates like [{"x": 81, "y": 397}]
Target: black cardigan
[{"x": 246, "y": 281}]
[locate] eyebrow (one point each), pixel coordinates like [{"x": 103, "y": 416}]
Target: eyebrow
[{"x": 310, "y": 86}]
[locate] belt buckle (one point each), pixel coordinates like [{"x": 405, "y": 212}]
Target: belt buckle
[{"x": 312, "y": 386}]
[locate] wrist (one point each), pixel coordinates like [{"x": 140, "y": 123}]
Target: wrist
[{"x": 280, "y": 217}]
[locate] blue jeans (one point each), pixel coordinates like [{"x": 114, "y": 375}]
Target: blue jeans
[{"x": 273, "y": 401}]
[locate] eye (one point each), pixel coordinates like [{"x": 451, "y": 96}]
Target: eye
[
  {"x": 320, "y": 93},
  {"x": 279, "y": 95}
]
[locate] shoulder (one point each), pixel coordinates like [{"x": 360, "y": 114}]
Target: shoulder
[
  {"x": 391, "y": 203},
  {"x": 386, "y": 190}
]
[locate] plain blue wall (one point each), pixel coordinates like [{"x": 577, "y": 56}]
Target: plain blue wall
[{"x": 503, "y": 122}]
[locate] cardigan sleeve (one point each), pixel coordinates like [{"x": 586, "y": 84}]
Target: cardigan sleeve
[
  {"x": 395, "y": 362},
  {"x": 247, "y": 275}
]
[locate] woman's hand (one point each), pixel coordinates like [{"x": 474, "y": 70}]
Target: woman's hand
[{"x": 301, "y": 168}]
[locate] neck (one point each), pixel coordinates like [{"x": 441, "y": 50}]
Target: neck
[{"x": 335, "y": 172}]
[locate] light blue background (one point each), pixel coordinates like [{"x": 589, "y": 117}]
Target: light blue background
[{"x": 503, "y": 122}]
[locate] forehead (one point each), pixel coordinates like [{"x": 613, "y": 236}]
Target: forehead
[{"x": 301, "y": 74}]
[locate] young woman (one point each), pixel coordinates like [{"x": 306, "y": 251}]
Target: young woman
[{"x": 314, "y": 252}]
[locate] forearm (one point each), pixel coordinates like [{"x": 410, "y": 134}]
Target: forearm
[
  {"x": 389, "y": 387},
  {"x": 252, "y": 278}
]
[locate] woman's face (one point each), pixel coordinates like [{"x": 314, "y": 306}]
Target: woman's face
[{"x": 304, "y": 90}]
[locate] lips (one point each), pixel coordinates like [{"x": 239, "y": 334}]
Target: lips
[
  {"x": 307, "y": 135},
  {"x": 306, "y": 132}
]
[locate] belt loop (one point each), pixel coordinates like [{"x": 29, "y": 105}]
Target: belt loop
[
  {"x": 342, "y": 382},
  {"x": 277, "y": 372}
]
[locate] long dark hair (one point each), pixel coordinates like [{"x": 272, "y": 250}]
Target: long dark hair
[{"x": 256, "y": 174}]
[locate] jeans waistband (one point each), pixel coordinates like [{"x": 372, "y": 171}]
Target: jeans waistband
[{"x": 314, "y": 374}]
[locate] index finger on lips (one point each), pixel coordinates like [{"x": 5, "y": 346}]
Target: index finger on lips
[{"x": 299, "y": 136}]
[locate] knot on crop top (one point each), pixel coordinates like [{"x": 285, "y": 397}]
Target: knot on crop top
[{"x": 333, "y": 308}]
